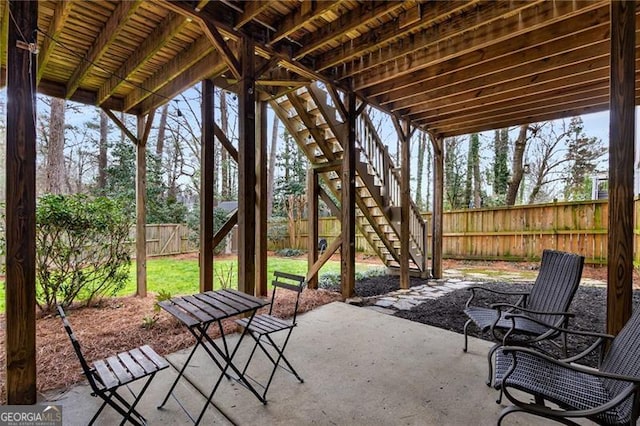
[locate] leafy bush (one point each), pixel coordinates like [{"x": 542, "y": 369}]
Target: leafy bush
[
  {"x": 220, "y": 217},
  {"x": 3, "y": 247},
  {"x": 81, "y": 248},
  {"x": 330, "y": 281},
  {"x": 289, "y": 252}
]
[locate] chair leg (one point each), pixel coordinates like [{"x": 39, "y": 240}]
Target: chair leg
[
  {"x": 286, "y": 361},
  {"x": 508, "y": 410},
  {"x": 466, "y": 325},
  {"x": 127, "y": 415},
  {"x": 132, "y": 407}
]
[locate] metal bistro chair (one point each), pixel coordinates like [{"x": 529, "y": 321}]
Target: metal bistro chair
[
  {"x": 609, "y": 395},
  {"x": 107, "y": 376},
  {"x": 542, "y": 309},
  {"x": 264, "y": 325}
]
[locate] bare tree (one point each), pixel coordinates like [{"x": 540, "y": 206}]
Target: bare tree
[
  {"x": 272, "y": 164},
  {"x": 55, "y": 167},
  {"x": 517, "y": 169},
  {"x": 102, "y": 150}
]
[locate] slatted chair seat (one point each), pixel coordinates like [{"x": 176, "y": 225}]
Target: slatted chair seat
[
  {"x": 264, "y": 325},
  {"x": 543, "y": 308},
  {"x": 108, "y": 375},
  {"x": 609, "y": 395}
]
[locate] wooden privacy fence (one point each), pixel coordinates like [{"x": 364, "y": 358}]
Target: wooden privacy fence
[
  {"x": 518, "y": 233},
  {"x": 167, "y": 239}
]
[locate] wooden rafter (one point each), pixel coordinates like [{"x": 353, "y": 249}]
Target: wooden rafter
[
  {"x": 133, "y": 138},
  {"x": 362, "y": 16},
  {"x": 251, "y": 10},
  {"x": 493, "y": 40},
  {"x": 574, "y": 47},
  {"x": 167, "y": 29},
  {"x": 296, "y": 20},
  {"x": 383, "y": 35},
  {"x": 60, "y": 15},
  {"x": 226, "y": 143},
  {"x": 123, "y": 12},
  {"x": 186, "y": 59}
]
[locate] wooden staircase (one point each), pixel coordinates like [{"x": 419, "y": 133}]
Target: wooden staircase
[{"x": 320, "y": 130}]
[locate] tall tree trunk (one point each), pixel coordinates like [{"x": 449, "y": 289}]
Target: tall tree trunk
[
  {"x": 422, "y": 143},
  {"x": 55, "y": 169},
  {"x": 102, "y": 150},
  {"x": 427, "y": 194},
  {"x": 161, "y": 132},
  {"x": 516, "y": 166},
  {"x": 225, "y": 192},
  {"x": 272, "y": 165}
]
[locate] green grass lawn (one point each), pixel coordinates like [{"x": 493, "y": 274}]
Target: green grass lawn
[{"x": 180, "y": 276}]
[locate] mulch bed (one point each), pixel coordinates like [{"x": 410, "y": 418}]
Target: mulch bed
[{"x": 589, "y": 307}]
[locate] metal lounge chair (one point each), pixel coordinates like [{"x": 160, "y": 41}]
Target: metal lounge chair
[
  {"x": 542, "y": 309},
  {"x": 609, "y": 395},
  {"x": 107, "y": 376},
  {"x": 264, "y": 325}
]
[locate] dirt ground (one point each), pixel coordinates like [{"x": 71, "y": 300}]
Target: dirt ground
[{"x": 117, "y": 324}]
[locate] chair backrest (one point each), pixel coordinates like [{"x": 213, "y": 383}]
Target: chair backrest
[
  {"x": 283, "y": 280},
  {"x": 88, "y": 372},
  {"x": 623, "y": 358},
  {"x": 556, "y": 284}
]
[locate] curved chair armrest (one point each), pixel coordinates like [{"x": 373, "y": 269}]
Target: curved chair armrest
[
  {"x": 499, "y": 307},
  {"x": 562, "y": 329},
  {"x": 573, "y": 367},
  {"x": 523, "y": 294}
]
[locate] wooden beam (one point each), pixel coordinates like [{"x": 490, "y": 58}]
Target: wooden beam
[
  {"x": 324, "y": 196},
  {"x": 207, "y": 186},
  {"x": 298, "y": 18},
  {"x": 225, "y": 142},
  {"x": 247, "y": 170},
  {"x": 186, "y": 59},
  {"x": 348, "y": 204},
  {"x": 143, "y": 128},
  {"x": 221, "y": 45},
  {"x": 122, "y": 126},
  {"x": 488, "y": 43},
  {"x": 107, "y": 35},
  {"x": 251, "y": 10},
  {"x": 385, "y": 34},
  {"x": 60, "y": 15},
  {"x": 207, "y": 67},
  {"x": 404, "y": 133},
  {"x": 438, "y": 206},
  {"x": 20, "y": 285},
  {"x": 312, "y": 222},
  {"x": 363, "y": 16},
  {"x": 621, "y": 167},
  {"x": 331, "y": 249},
  {"x": 165, "y": 31},
  {"x": 261, "y": 200},
  {"x": 515, "y": 79},
  {"x": 224, "y": 230}
]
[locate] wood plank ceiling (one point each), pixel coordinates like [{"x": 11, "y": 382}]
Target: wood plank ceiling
[{"x": 451, "y": 67}]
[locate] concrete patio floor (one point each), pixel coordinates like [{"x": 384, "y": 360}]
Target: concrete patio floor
[{"x": 360, "y": 367}]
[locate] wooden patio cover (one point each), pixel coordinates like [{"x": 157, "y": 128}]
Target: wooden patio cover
[{"x": 449, "y": 68}]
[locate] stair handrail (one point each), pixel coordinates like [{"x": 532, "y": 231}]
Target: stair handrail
[{"x": 377, "y": 155}]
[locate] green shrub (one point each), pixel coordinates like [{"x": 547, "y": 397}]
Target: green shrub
[
  {"x": 289, "y": 252},
  {"x": 82, "y": 248},
  {"x": 330, "y": 281}
]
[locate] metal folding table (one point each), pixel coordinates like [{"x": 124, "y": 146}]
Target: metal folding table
[{"x": 197, "y": 312}]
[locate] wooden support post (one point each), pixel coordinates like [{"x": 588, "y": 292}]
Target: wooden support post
[
  {"x": 405, "y": 201},
  {"x": 621, "y": 168},
  {"x": 348, "y": 204},
  {"x": 20, "y": 285},
  {"x": 207, "y": 189},
  {"x": 141, "y": 210},
  {"x": 312, "y": 222},
  {"x": 438, "y": 199},
  {"x": 247, "y": 170},
  {"x": 261, "y": 201}
]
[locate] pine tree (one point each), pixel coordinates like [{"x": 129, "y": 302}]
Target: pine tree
[
  {"x": 500, "y": 164},
  {"x": 582, "y": 155}
]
